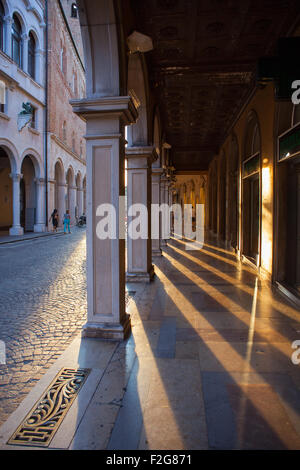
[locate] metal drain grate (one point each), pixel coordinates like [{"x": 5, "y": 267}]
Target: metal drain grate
[{"x": 42, "y": 422}]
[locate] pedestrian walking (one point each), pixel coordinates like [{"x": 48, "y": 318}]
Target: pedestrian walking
[
  {"x": 54, "y": 218},
  {"x": 67, "y": 222}
]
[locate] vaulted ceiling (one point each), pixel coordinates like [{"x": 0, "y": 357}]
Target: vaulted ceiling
[{"x": 202, "y": 67}]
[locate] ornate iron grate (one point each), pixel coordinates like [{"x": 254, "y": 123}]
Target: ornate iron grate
[{"x": 42, "y": 422}]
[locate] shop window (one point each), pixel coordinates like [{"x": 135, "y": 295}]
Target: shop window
[{"x": 16, "y": 41}]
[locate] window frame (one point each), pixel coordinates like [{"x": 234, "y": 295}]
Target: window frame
[
  {"x": 32, "y": 55},
  {"x": 16, "y": 40}
]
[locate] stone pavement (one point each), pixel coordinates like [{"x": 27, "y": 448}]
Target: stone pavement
[
  {"x": 42, "y": 308},
  {"x": 208, "y": 365}
]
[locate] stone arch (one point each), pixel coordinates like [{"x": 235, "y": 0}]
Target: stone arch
[
  {"x": 19, "y": 14},
  {"x": 7, "y": 7},
  {"x": 36, "y": 160},
  {"x": 105, "y": 55},
  {"x": 12, "y": 154}
]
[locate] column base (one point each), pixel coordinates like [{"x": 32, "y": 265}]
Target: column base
[
  {"x": 16, "y": 231},
  {"x": 156, "y": 253},
  {"x": 108, "y": 331},
  {"x": 141, "y": 277},
  {"x": 39, "y": 228}
]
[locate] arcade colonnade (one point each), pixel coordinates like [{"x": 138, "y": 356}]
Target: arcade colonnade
[
  {"x": 118, "y": 96},
  {"x": 254, "y": 190},
  {"x": 24, "y": 195}
]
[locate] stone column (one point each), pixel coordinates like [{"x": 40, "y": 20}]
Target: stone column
[
  {"x": 106, "y": 118},
  {"x": 139, "y": 251},
  {"x": 156, "y": 199},
  {"x": 24, "y": 51},
  {"x": 16, "y": 228},
  {"x": 40, "y": 225},
  {"x": 80, "y": 201},
  {"x": 72, "y": 203},
  {"x": 164, "y": 199},
  {"x": 62, "y": 195}
]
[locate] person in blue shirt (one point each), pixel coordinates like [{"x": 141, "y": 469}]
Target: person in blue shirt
[{"x": 67, "y": 222}]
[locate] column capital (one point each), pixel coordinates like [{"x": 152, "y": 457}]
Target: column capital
[
  {"x": 39, "y": 181},
  {"x": 16, "y": 176},
  {"x": 122, "y": 107},
  {"x": 8, "y": 19},
  {"x": 148, "y": 152},
  {"x": 157, "y": 171}
]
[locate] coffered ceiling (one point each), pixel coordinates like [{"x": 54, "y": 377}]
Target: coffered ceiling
[{"x": 202, "y": 68}]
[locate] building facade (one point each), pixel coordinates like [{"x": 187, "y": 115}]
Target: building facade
[
  {"x": 40, "y": 139},
  {"x": 66, "y": 81},
  {"x": 254, "y": 189}
]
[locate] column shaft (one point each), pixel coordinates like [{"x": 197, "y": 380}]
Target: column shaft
[
  {"x": 139, "y": 256},
  {"x": 16, "y": 229},
  {"x": 156, "y": 199},
  {"x": 39, "y": 225},
  {"x": 106, "y": 118}
]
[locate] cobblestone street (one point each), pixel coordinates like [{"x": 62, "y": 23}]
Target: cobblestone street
[{"x": 42, "y": 308}]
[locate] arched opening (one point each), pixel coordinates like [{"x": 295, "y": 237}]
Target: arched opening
[
  {"x": 28, "y": 194},
  {"x": 6, "y": 193},
  {"x": 251, "y": 192},
  {"x": 233, "y": 178},
  {"x": 59, "y": 191},
  {"x": 31, "y": 56},
  {"x": 16, "y": 41}
]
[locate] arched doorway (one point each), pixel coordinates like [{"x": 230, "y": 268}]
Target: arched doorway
[
  {"x": 28, "y": 199},
  {"x": 6, "y": 193},
  {"x": 222, "y": 197},
  {"x": 251, "y": 192}
]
